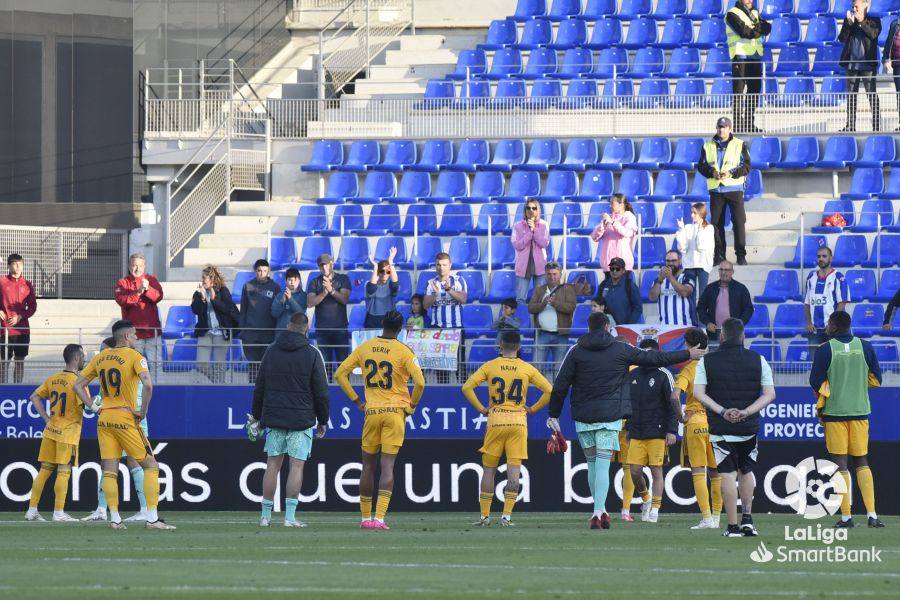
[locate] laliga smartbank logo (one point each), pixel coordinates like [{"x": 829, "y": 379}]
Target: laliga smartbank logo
[{"x": 815, "y": 488}]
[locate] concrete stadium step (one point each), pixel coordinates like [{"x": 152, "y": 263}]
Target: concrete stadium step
[
  {"x": 278, "y": 208},
  {"x": 406, "y": 87},
  {"x": 248, "y": 240},
  {"x": 244, "y": 224},
  {"x": 393, "y": 73},
  {"x": 420, "y": 57},
  {"x": 419, "y": 43},
  {"x": 185, "y": 279},
  {"x": 229, "y": 257}
]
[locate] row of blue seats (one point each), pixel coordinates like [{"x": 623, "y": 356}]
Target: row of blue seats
[
  {"x": 799, "y": 354},
  {"x": 582, "y": 154},
  {"x": 849, "y": 250},
  {"x": 783, "y": 285},
  {"x": 790, "y": 321},
  {"x": 874, "y": 215}
]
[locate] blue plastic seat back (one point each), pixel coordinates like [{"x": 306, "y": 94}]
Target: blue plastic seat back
[
  {"x": 566, "y": 214},
  {"x": 655, "y": 150},
  {"x": 470, "y": 63},
  {"x": 789, "y": 319},
  {"x": 804, "y": 149},
  {"x": 807, "y": 9},
  {"x": 765, "y": 150},
  {"x": 436, "y": 153},
  {"x": 400, "y": 153},
  {"x": 861, "y": 284},
  {"x": 774, "y": 8},
  {"x": 545, "y": 89},
  {"x": 523, "y": 184},
  {"x": 474, "y": 285},
  {"x": 683, "y": 62},
  {"x": 647, "y": 61},
  {"x": 634, "y": 183},
  {"x": 597, "y": 183},
  {"x": 687, "y": 151},
  {"x": 312, "y": 248},
  {"x": 850, "y": 250},
  {"x": 501, "y": 32},
  {"x": 576, "y": 61},
  {"x": 641, "y": 32},
  {"x": 768, "y": 349},
  {"x": 509, "y": 152},
  {"x": 510, "y": 88},
  {"x": 820, "y": 30},
  {"x": 497, "y": 215},
  {"x": 785, "y": 30},
  {"x": 570, "y": 34},
  {"x": 629, "y": 9},
  {"x": 611, "y": 62},
  {"x": 379, "y": 185},
  {"x": 507, "y": 61},
  {"x": 537, "y": 32},
  {"x": 384, "y": 244},
  {"x": 240, "y": 278},
  {"x": 782, "y": 285},
  {"x": 597, "y": 9},
  {"x": 826, "y": 60},
  {"x": 712, "y": 33},
  {"x": 327, "y": 153},
  {"x": 451, "y": 184},
  {"x": 717, "y": 63},
  {"x": 311, "y": 217},
  {"x": 363, "y": 153},
  {"x": 457, "y": 218},
  {"x": 347, "y": 217},
  {"x": 561, "y": 183},
  {"x": 645, "y": 213},
  {"x": 180, "y": 321},
  {"x": 424, "y": 214},
  {"x": 414, "y": 184},
  {"x": 475, "y": 152},
  {"x": 672, "y": 182},
  {"x": 618, "y": 150},
  {"x": 464, "y": 251},
  {"x": 879, "y": 148},
  {"x": 606, "y": 33},
  {"x": 487, "y": 184},
  {"x": 581, "y": 151},
  {"x": 573, "y": 251},
  {"x": 544, "y": 152},
  {"x": 385, "y": 216},
  {"x": 792, "y": 60},
  {"x": 674, "y": 211},
  {"x": 666, "y": 9},
  {"x": 563, "y": 9},
  {"x": 759, "y": 323},
  {"x": 867, "y": 180},
  {"x": 342, "y": 185},
  {"x": 840, "y": 148},
  {"x": 526, "y": 9},
  {"x": 701, "y": 9},
  {"x": 423, "y": 256},
  {"x": 354, "y": 251},
  {"x": 503, "y": 285}
]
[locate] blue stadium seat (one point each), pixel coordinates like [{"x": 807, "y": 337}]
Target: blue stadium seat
[
  {"x": 677, "y": 32},
  {"x": 477, "y": 319},
  {"x": 720, "y": 93},
  {"x": 645, "y": 213},
  {"x": 754, "y": 186},
  {"x": 184, "y": 356},
  {"x": 414, "y": 186},
  {"x": 595, "y": 185},
  {"x": 892, "y": 189},
  {"x": 509, "y": 93},
  {"x": 717, "y": 64},
  {"x": 617, "y": 93},
  {"x": 506, "y": 62},
  {"x": 617, "y": 153},
  {"x": 283, "y": 251},
  {"x": 687, "y": 151},
  {"x": 242, "y": 277},
  {"x": 425, "y": 277},
  {"x": 759, "y": 322},
  {"x": 655, "y": 152},
  {"x": 867, "y": 319},
  {"x": 883, "y": 8},
  {"x": 180, "y": 321},
  {"x": 574, "y": 252},
  {"x": 768, "y": 349},
  {"x": 581, "y": 154},
  {"x": 536, "y": 34},
  {"x": 764, "y": 151},
  {"x": 878, "y": 151},
  {"x": 560, "y": 186},
  {"x": 653, "y": 93},
  {"x": 820, "y": 31},
  {"x": 683, "y": 62},
  {"x": 450, "y": 185},
  {"x": 641, "y": 33},
  {"x": 502, "y": 254},
  {"x": 699, "y": 192},
  {"x": 503, "y": 286},
  {"x": 781, "y": 285},
  {"x": 826, "y": 60},
  {"x": 874, "y": 215},
  {"x": 378, "y": 187},
  {"x": 457, "y": 218},
  {"x": 888, "y": 286},
  {"x": 832, "y": 91},
  {"x": 363, "y": 153},
  {"x": 648, "y": 62},
  {"x": 798, "y": 91},
  {"x": 673, "y": 211},
  {"x": 439, "y": 93},
  {"x": 507, "y": 153},
  {"x": 384, "y": 245},
  {"x": 611, "y": 62},
  {"x": 522, "y": 184},
  {"x": 501, "y": 33},
  {"x": 312, "y": 248},
  {"x": 792, "y": 61},
  {"x": 647, "y": 279},
  {"x": 634, "y": 184},
  {"x": 811, "y": 245},
  {"x": 545, "y": 94},
  {"x": 383, "y": 219},
  {"x": 886, "y": 352},
  {"x": 711, "y": 34},
  {"x": 807, "y": 9},
  {"x": 667, "y": 9},
  {"x": 357, "y": 318},
  {"x": 800, "y": 153},
  {"x": 775, "y": 8},
  {"x": 671, "y": 184},
  {"x": 867, "y": 182},
  {"x": 473, "y": 94},
  {"x": 358, "y": 280},
  {"x": 580, "y": 319},
  {"x": 598, "y": 9},
  {"x": 486, "y": 185},
  {"x": 595, "y": 214},
  {"x": 571, "y": 33},
  {"x": 652, "y": 252},
  {"x": 789, "y": 320},
  {"x": 606, "y": 34},
  {"x": 341, "y": 188},
  {"x": 483, "y": 351},
  {"x": 885, "y": 252},
  {"x": 464, "y": 251},
  {"x": 632, "y": 9},
  {"x": 474, "y": 283},
  {"x": 840, "y": 152},
  {"x": 354, "y": 253},
  {"x": 310, "y": 219},
  {"x": 861, "y": 284},
  {"x": 575, "y": 63},
  {"x": 702, "y": 9},
  {"x": 398, "y": 155},
  {"x": 566, "y": 215},
  {"x": 528, "y": 9},
  {"x": 562, "y": 10},
  {"x": 423, "y": 255},
  {"x": 850, "y": 250},
  {"x": 542, "y": 155},
  {"x": 469, "y": 63},
  {"x": 799, "y": 355},
  {"x": 588, "y": 276},
  {"x": 498, "y": 216},
  {"x": 844, "y": 207},
  {"x": 326, "y": 155},
  {"x": 785, "y": 32},
  {"x": 472, "y": 154},
  {"x": 581, "y": 93}
]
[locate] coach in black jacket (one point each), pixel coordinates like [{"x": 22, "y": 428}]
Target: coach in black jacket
[{"x": 739, "y": 304}]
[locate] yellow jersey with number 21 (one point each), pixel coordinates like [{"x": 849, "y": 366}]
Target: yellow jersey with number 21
[{"x": 66, "y": 415}]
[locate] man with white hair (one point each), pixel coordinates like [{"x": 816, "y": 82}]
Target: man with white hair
[{"x": 139, "y": 293}]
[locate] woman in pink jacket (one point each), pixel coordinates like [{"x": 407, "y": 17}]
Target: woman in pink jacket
[
  {"x": 616, "y": 232},
  {"x": 530, "y": 238}
]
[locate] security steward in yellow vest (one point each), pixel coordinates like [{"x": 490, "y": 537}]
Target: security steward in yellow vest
[
  {"x": 744, "y": 29},
  {"x": 725, "y": 162}
]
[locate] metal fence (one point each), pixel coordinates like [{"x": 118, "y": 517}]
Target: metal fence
[{"x": 66, "y": 262}]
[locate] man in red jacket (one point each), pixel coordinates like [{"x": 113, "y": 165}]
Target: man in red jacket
[
  {"x": 17, "y": 304},
  {"x": 138, "y": 293}
]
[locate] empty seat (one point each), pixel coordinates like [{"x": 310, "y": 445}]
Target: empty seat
[
  {"x": 798, "y": 91},
  {"x": 702, "y": 9},
  {"x": 717, "y": 64},
  {"x": 645, "y": 213},
  {"x": 840, "y": 151},
  {"x": 571, "y": 33},
  {"x": 464, "y": 251},
  {"x": 450, "y": 185},
  {"x": 886, "y": 352},
  {"x": 892, "y": 190},
  {"x": 867, "y": 182},
  {"x": 647, "y": 279},
  {"x": 720, "y": 93},
  {"x": 754, "y": 187},
  {"x": 477, "y": 319},
  {"x": 617, "y": 153},
  {"x": 671, "y": 184},
  {"x": 632, "y": 9},
  {"x": 764, "y": 151},
  {"x": 844, "y": 207},
  {"x": 180, "y": 321},
  {"x": 473, "y": 94},
  {"x": 768, "y": 349},
  {"x": 469, "y": 63},
  {"x": 581, "y": 154},
  {"x": 457, "y": 218},
  {"x": 651, "y": 251},
  {"x": 439, "y": 93},
  {"x": 611, "y": 63},
  {"x": 503, "y": 286},
  {"x": 597, "y": 9},
  {"x": 414, "y": 186},
  {"x": 792, "y": 60},
  {"x": 682, "y": 63},
  {"x": 672, "y": 212},
  {"x": 781, "y": 286},
  {"x": 383, "y": 219},
  {"x": 789, "y": 321},
  {"x": 471, "y": 155},
  {"x": 575, "y": 63},
  {"x": 581, "y": 93},
  {"x": 759, "y": 323},
  {"x": 666, "y": 9},
  {"x": 310, "y": 219},
  {"x": 544, "y": 94},
  {"x": 493, "y": 214},
  {"x": 888, "y": 286},
  {"x": 345, "y": 219},
  {"x": 326, "y": 155},
  {"x": 474, "y": 284},
  {"x": 536, "y": 34},
  {"x": 861, "y": 284},
  {"x": 486, "y": 185},
  {"x": 507, "y": 153},
  {"x": 883, "y": 8},
  {"x": 595, "y": 215},
  {"x": 423, "y": 216},
  {"x": 435, "y": 155},
  {"x": 595, "y": 185},
  {"x": 648, "y": 62},
  {"x": 677, "y": 32},
  {"x": 566, "y": 217},
  {"x": 341, "y": 188},
  {"x": 506, "y": 62},
  {"x": 483, "y": 351},
  {"x": 522, "y": 184},
  {"x": 560, "y": 185},
  {"x": 541, "y": 63},
  {"x": 363, "y": 153},
  {"x": 867, "y": 319},
  {"x": 312, "y": 248},
  {"x": 826, "y": 60},
  {"x": 885, "y": 252},
  {"x": 422, "y": 256},
  {"x": 574, "y": 251},
  {"x": 820, "y": 31},
  {"x": 384, "y": 245},
  {"x": 528, "y": 9},
  {"x": 398, "y": 155},
  {"x": 850, "y": 250},
  {"x": 354, "y": 252},
  {"x": 641, "y": 33},
  {"x": 799, "y": 355},
  {"x": 653, "y": 93},
  {"x": 840, "y": 7},
  {"x": 874, "y": 215},
  {"x": 358, "y": 280},
  {"x": 617, "y": 93},
  {"x": 712, "y": 33},
  {"x": 654, "y": 153},
  {"x": 634, "y": 184},
  {"x": 775, "y": 8},
  {"x": 878, "y": 151},
  {"x": 184, "y": 356},
  {"x": 606, "y": 34},
  {"x": 699, "y": 192},
  {"x": 785, "y": 32},
  {"x": 501, "y": 33},
  {"x": 800, "y": 153},
  {"x": 542, "y": 155},
  {"x": 807, "y": 9},
  {"x": 424, "y": 278},
  {"x": 561, "y": 10},
  {"x": 806, "y": 256},
  {"x": 498, "y": 253},
  {"x": 378, "y": 187},
  {"x": 509, "y": 93},
  {"x": 687, "y": 151}
]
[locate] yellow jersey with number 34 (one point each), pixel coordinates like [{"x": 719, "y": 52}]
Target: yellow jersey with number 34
[
  {"x": 387, "y": 366},
  {"x": 66, "y": 415},
  {"x": 508, "y": 380},
  {"x": 118, "y": 371}
]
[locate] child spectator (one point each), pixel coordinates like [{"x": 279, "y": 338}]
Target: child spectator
[
  {"x": 507, "y": 321},
  {"x": 418, "y": 319}
]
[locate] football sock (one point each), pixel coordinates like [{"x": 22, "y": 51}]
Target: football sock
[
  {"x": 645, "y": 495},
  {"x": 509, "y": 501},
  {"x": 716, "y": 488},
  {"x": 601, "y": 481},
  {"x": 866, "y": 487},
  {"x": 702, "y": 493},
  {"x": 365, "y": 507},
  {"x": 151, "y": 489},
  {"x": 101, "y": 496},
  {"x": 746, "y": 519},
  {"x": 137, "y": 476},
  {"x": 846, "y": 511},
  {"x": 38, "y": 487},
  {"x": 656, "y": 502},
  {"x": 267, "y": 506},
  {"x": 111, "y": 491},
  {"x": 290, "y": 509},
  {"x": 61, "y": 489},
  {"x": 627, "y": 488},
  {"x": 381, "y": 507},
  {"x": 591, "y": 475},
  {"x": 484, "y": 501}
]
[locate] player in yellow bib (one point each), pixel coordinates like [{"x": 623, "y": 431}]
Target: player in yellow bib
[
  {"x": 121, "y": 370},
  {"x": 696, "y": 449},
  {"x": 387, "y": 366},
  {"x": 508, "y": 378},
  {"x": 59, "y": 443}
]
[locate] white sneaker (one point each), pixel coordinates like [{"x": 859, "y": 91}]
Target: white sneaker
[
  {"x": 61, "y": 517},
  {"x": 33, "y": 515},
  {"x": 645, "y": 510},
  {"x": 482, "y": 522},
  {"x": 138, "y": 516},
  {"x": 653, "y": 517},
  {"x": 506, "y": 522},
  {"x": 98, "y": 515},
  {"x": 263, "y": 522},
  {"x": 159, "y": 524},
  {"x": 294, "y": 524},
  {"x": 717, "y": 522},
  {"x": 709, "y": 523}
]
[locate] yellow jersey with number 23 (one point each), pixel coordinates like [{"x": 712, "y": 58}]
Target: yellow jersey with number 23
[{"x": 387, "y": 366}]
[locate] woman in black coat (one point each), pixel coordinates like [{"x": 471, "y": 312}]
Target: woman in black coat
[{"x": 217, "y": 318}]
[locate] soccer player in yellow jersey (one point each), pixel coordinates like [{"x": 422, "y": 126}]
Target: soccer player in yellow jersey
[
  {"x": 120, "y": 371},
  {"x": 59, "y": 446},
  {"x": 696, "y": 449},
  {"x": 508, "y": 378},
  {"x": 387, "y": 366}
]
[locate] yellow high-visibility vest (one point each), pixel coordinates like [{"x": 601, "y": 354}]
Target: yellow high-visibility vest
[
  {"x": 742, "y": 46},
  {"x": 730, "y": 161}
]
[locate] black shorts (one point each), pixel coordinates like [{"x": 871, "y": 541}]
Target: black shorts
[
  {"x": 16, "y": 346},
  {"x": 735, "y": 456}
]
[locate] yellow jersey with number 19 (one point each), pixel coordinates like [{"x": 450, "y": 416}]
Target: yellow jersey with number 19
[
  {"x": 66, "y": 415},
  {"x": 508, "y": 380},
  {"x": 387, "y": 366},
  {"x": 118, "y": 371}
]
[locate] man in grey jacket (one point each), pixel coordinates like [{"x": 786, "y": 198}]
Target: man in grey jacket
[
  {"x": 256, "y": 320},
  {"x": 291, "y": 301}
]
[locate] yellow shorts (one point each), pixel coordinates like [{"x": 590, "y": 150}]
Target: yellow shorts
[
  {"x": 847, "y": 437},
  {"x": 621, "y": 455},
  {"x": 117, "y": 432},
  {"x": 58, "y": 453},
  {"x": 510, "y": 439},
  {"x": 646, "y": 452},
  {"x": 696, "y": 451},
  {"x": 383, "y": 430}
]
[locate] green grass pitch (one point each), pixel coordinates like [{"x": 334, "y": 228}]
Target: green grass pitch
[{"x": 429, "y": 555}]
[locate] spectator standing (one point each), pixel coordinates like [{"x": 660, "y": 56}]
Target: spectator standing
[
  {"x": 617, "y": 232},
  {"x": 507, "y": 320},
  {"x": 673, "y": 291},
  {"x": 290, "y": 302},
  {"x": 418, "y": 317},
  {"x": 217, "y": 316},
  {"x": 697, "y": 242},
  {"x": 329, "y": 293},
  {"x": 553, "y": 305},
  {"x": 17, "y": 304},
  {"x": 735, "y": 384},
  {"x": 530, "y": 239},
  {"x": 723, "y": 300},
  {"x": 891, "y": 58},
  {"x": 859, "y": 34},
  {"x": 725, "y": 162},
  {"x": 139, "y": 294},
  {"x": 381, "y": 291},
  {"x": 256, "y": 320},
  {"x": 619, "y": 295},
  {"x": 745, "y": 29},
  {"x": 447, "y": 293},
  {"x": 826, "y": 292}
]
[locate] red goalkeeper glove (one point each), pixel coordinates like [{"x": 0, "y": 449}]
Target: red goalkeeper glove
[{"x": 557, "y": 443}]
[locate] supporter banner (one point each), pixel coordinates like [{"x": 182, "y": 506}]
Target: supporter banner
[
  {"x": 669, "y": 337},
  {"x": 430, "y": 475},
  {"x": 435, "y": 349},
  {"x": 220, "y": 412}
]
